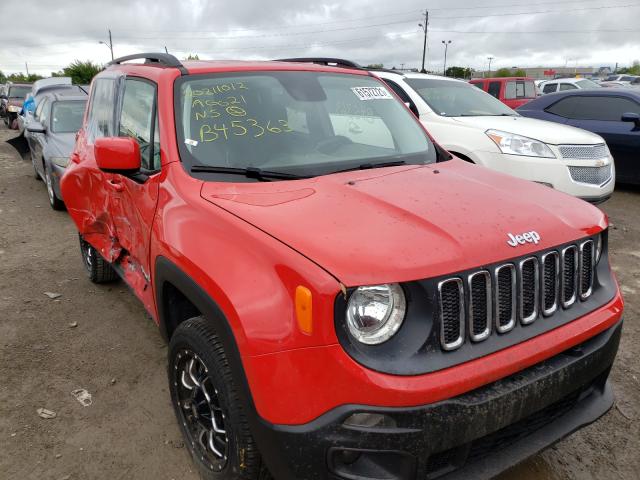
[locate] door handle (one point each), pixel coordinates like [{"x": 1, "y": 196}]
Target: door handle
[{"x": 116, "y": 185}]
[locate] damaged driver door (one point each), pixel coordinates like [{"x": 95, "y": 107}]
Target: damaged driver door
[{"x": 133, "y": 198}]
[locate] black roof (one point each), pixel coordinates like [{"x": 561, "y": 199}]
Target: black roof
[{"x": 545, "y": 101}]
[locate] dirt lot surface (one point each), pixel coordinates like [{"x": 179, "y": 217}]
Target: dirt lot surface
[{"x": 99, "y": 338}]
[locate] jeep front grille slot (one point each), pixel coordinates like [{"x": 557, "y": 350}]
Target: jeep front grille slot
[
  {"x": 586, "y": 269},
  {"x": 474, "y": 305},
  {"x": 569, "y": 275},
  {"x": 529, "y": 290},
  {"x": 505, "y": 297},
  {"x": 480, "y": 311},
  {"x": 451, "y": 295},
  {"x": 550, "y": 271}
]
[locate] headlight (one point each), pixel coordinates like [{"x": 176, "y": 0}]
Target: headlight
[
  {"x": 375, "y": 313},
  {"x": 60, "y": 161},
  {"x": 598, "y": 247},
  {"x": 14, "y": 108},
  {"x": 513, "y": 144}
]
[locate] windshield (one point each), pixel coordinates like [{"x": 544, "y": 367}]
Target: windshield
[
  {"x": 587, "y": 84},
  {"x": 19, "y": 91},
  {"x": 457, "y": 99},
  {"x": 66, "y": 116},
  {"x": 302, "y": 123}
]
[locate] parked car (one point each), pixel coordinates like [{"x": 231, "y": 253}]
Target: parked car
[
  {"x": 41, "y": 88},
  {"x": 611, "y": 113},
  {"x": 624, "y": 78},
  {"x": 512, "y": 91},
  {"x": 12, "y": 102},
  {"x": 562, "y": 84},
  {"x": 51, "y": 137},
  {"x": 328, "y": 287},
  {"x": 476, "y": 127}
]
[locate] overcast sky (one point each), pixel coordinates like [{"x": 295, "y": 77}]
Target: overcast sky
[{"x": 49, "y": 34}]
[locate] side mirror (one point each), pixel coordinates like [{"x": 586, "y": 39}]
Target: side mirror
[
  {"x": 631, "y": 117},
  {"x": 36, "y": 127},
  {"x": 117, "y": 154},
  {"x": 3, "y": 97}
]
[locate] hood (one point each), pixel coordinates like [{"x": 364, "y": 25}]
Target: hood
[
  {"x": 407, "y": 223},
  {"x": 547, "y": 132}
]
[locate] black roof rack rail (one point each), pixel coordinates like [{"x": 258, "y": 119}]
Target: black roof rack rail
[
  {"x": 161, "y": 59},
  {"x": 339, "y": 62}
]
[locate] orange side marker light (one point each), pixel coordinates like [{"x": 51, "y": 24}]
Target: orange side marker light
[{"x": 304, "y": 311}]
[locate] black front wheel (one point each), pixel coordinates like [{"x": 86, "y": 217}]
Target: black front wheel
[
  {"x": 98, "y": 269},
  {"x": 208, "y": 407}
]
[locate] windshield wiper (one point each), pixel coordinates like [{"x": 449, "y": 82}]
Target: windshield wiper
[
  {"x": 249, "y": 172},
  {"x": 368, "y": 166}
]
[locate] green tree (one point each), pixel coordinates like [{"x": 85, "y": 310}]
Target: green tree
[
  {"x": 375, "y": 65},
  {"x": 192, "y": 56},
  {"x": 22, "y": 78},
  {"x": 519, "y": 73},
  {"x": 3, "y": 77},
  {"x": 503, "y": 72},
  {"x": 635, "y": 68},
  {"x": 459, "y": 72},
  {"x": 81, "y": 72}
]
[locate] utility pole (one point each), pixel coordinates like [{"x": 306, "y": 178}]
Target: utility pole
[
  {"x": 27, "y": 67},
  {"x": 109, "y": 45},
  {"x": 424, "y": 26},
  {"x": 446, "y": 46},
  {"x": 490, "y": 58}
]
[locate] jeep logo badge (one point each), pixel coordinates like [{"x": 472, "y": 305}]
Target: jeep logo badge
[{"x": 527, "y": 237}]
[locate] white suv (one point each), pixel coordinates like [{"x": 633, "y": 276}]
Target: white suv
[
  {"x": 476, "y": 127},
  {"x": 562, "y": 84}
]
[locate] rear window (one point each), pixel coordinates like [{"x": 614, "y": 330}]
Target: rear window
[
  {"x": 19, "y": 91},
  {"x": 520, "y": 89}
]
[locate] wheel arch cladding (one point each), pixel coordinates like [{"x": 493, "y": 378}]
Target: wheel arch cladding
[{"x": 169, "y": 275}]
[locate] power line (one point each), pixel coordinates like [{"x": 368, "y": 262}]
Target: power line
[{"x": 539, "y": 12}]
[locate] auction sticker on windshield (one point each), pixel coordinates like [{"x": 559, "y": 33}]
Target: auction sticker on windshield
[{"x": 371, "y": 93}]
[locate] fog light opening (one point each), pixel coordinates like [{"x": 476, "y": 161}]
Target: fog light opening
[{"x": 370, "y": 420}]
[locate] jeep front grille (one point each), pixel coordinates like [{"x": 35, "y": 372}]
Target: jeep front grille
[
  {"x": 591, "y": 175},
  {"x": 476, "y": 305},
  {"x": 584, "y": 152}
]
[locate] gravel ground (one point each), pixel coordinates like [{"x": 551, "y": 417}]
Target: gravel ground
[{"x": 99, "y": 338}]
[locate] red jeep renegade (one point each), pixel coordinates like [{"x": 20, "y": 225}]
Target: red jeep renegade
[{"x": 342, "y": 299}]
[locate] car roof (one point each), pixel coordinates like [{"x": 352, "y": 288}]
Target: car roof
[
  {"x": 551, "y": 98},
  {"x": 494, "y": 79},
  {"x": 417, "y": 75}
]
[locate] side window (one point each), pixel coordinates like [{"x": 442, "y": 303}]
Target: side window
[
  {"x": 40, "y": 107},
  {"x": 494, "y": 89},
  {"x": 565, "y": 107},
  {"x": 549, "y": 87},
  {"x": 138, "y": 120},
  {"x": 478, "y": 84},
  {"x": 402, "y": 94},
  {"x": 101, "y": 111},
  {"x": 44, "y": 114},
  {"x": 609, "y": 109},
  {"x": 567, "y": 86}
]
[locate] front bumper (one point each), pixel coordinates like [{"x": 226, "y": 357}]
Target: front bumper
[
  {"x": 553, "y": 172},
  {"x": 474, "y": 435}
]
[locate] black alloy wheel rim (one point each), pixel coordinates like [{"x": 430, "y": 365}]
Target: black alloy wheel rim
[{"x": 199, "y": 409}]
